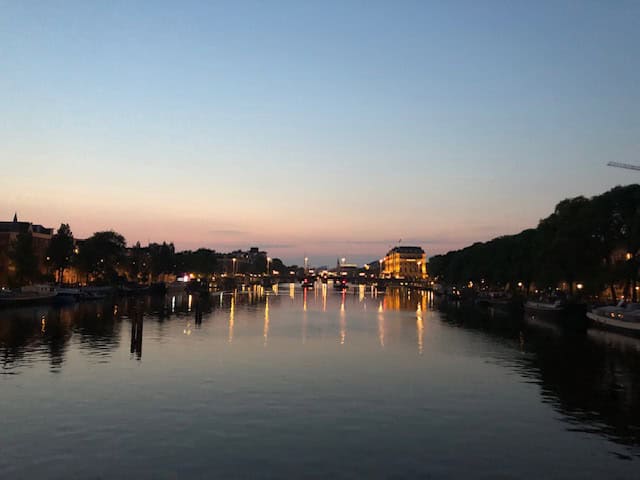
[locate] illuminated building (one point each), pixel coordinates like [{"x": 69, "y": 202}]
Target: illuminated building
[{"x": 405, "y": 262}]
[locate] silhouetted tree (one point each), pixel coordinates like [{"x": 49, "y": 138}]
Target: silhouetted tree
[
  {"x": 100, "y": 254},
  {"x": 60, "y": 251},
  {"x": 594, "y": 241},
  {"x": 163, "y": 258},
  {"x": 139, "y": 263}
]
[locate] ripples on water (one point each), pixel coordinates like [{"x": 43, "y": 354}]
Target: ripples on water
[{"x": 311, "y": 384}]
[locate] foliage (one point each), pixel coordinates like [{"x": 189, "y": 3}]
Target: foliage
[
  {"x": 139, "y": 263},
  {"x": 60, "y": 251},
  {"x": 593, "y": 241},
  {"x": 163, "y": 258},
  {"x": 278, "y": 266},
  {"x": 101, "y": 254},
  {"x": 202, "y": 261}
]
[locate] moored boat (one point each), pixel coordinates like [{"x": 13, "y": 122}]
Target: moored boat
[
  {"x": 307, "y": 282},
  {"x": 66, "y": 295},
  {"x": 624, "y": 317},
  {"x": 566, "y": 313},
  {"x": 553, "y": 306},
  {"x": 29, "y": 295},
  {"x": 340, "y": 284}
]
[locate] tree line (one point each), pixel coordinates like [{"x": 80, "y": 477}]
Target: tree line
[
  {"x": 104, "y": 258},
  {"x": 588, "y": 243}
]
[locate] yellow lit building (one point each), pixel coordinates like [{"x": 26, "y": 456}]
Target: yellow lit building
[{"x": 405, "y": 262}]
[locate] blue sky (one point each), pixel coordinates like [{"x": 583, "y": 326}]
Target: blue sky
[{"x": 319, "y": 128}]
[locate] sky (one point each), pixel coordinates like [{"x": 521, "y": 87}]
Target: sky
[{"x": 316, "y": 128}]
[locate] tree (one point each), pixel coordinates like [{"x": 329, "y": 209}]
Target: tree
[
  {"x": 101, "y": 254},
  {"x": 626, "y": 217},
  {"x": 278, "y": 266},
  {"x": 259, "y": 264},
  {"x": 203, "y": 261},
  {"x": 592, "y": 241},
  {"x": 163, "y": 258},
  {"x": 24, "y": 259},
  {"x": 139, "y": 263},
  {"x": 60, "y": 251}
]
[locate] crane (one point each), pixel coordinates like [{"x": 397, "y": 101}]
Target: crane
[{"x": 624, "y": 165}]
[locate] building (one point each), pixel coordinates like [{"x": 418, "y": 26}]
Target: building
[
  {"x": 9, "y": 232},
  {"x": 405, "y": 262}
]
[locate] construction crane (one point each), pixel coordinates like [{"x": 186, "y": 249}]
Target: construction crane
[{"x": 624, "y": 165}]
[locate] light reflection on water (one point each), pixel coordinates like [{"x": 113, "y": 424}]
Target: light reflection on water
[{"x": 291, "y": 382}]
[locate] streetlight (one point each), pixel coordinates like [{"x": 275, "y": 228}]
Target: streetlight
[
  {"x": 380, "y": 265},
  {"x": 233, "y": 269},
  {"x": 268, "y": 262}
]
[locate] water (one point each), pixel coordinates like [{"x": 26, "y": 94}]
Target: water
[{"x": 321, "y": 385}]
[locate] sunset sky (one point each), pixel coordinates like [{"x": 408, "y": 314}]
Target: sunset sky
[{"x": 313, "y": 127}]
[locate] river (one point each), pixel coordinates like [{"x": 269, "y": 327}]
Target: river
[{"x": 311, "y": 384}]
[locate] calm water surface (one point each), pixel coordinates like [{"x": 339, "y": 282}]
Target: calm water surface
[{"x": 316, "y": 385}]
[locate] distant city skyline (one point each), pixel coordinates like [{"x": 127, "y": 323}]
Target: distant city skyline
[{"x": 327, "y": 129}]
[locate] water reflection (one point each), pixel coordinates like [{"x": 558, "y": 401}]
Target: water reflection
[
  {"x": 381, "y": 326},
  {"x": 592, "y": 380},
  {"x": 265, "y": 333},
  {"x": 324, "y": 297},
  {"x": 420, "y": 329},
  {"x": 232, "y": 314},
  {"x": 137, "y": 321},
  {"x": 25, "y": 333}
]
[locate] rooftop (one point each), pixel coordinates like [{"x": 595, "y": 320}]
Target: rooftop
[
  {"x": 407, "y": 249},
  {"x": 15, "y": 226}
]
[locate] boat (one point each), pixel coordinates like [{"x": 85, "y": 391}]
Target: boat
[
  {"x": 132, "y": 289},
  {"x": 555, "y": 305},
  {"x": 29, "y": 295},
  {"x": 497, "y": 303},
  {"x": 567, "y": 313},
  {"x": 624, "y": 317},
  {"x": 66, "y": 295},
  {"x": 340, "y": 284},
  {"x": 489, "y": 299},
  {"x": 307, "y": 282},
  {"x": 86, "y": 296},
  {"x": 542, "y": 306}
]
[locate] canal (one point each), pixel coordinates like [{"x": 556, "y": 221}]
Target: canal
[{"x": 311, "y": 384}]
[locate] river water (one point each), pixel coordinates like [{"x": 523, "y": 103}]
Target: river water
[{"x": 288, "y": 384}]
